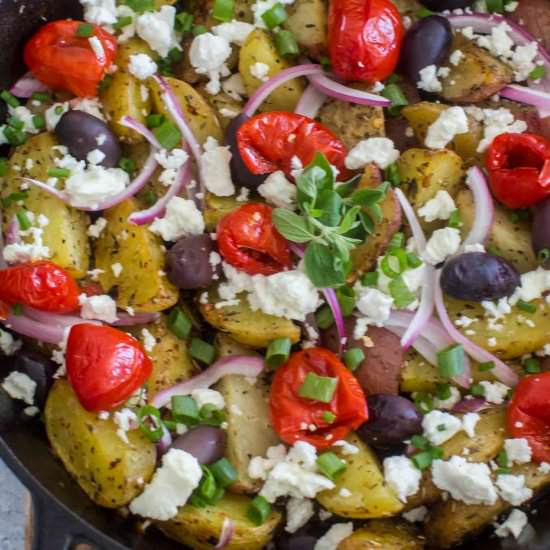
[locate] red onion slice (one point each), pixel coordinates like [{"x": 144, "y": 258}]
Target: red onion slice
[
  {"x": 165, "y": 441},
  {"x": 12, "y": 234},
  {"x": 310, "y": 102},
  {"x": 28, "y": 85},
  {"x": 226, "y": 533},
  {"x": 502, "y": 371},
  {"x": 235, "y": 364},
  {"x": 332, "y": 301},
  {"x": 127, "y": 320},
  {"x": 132, "y": 123},
  {"x": 528, "y": 96},
  {"x": 484, "y": 207},
  {"x": 55, "y": 319},
  {"x": 470, "y": 405},
  {"x": 49, "y": 333}
]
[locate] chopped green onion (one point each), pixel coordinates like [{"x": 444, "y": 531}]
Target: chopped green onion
[
  {"x": 185, "y": 409},
  {"x": 184, "y": 22},
  {"x": 58, "y": 110},
  {"x": 128, "y": 165},
  {"x": 14, "y": 197},
  {"x": 370, "y": 279},
  {"x": 413, "y": 260},
  {"x": 223, "y": 10},
  {"x": 207, "y": 487},
  {"x": 211, "y": 415},
  {"x": 502, "y": 459},
  {"x": 455, "y": 219},
  {"x": 353, "y": 357},
  {"x": 397, "y": 241},
  {"x": 328, "y": 417},
  {"x": 123, "y": 21},
  {"x": 150, "y": 422},
  {"x": 103, "y": 85},
  {"x": 275, "y": 16},
  {"x": 259, "y": 510},
  {"x": 503, "y": 471},
  {"x": 402, "y": 296},
  {"x": 424, "y": 12},
  {"x": 495, "y": 6},
  {"x": 141, "y": 6},
  {"x": 3, "y": 166},
  {"x": 59, "y": 172},
  {"x": 38, "y": 122},
  {"x": 324, "y": 317},
  {"x": 424, "y": 401},
  {"x": 436, "y": 452},
  {"x": 85, "y": 30},
  {"x": 14, "y": 137},
  {"x": 532, "y": 365},
  {"x": 41, "y": 96},
  {"x": 150, "y": 198},
  {"x": 422, "y": 460},
  {"x": 224, "y": 472},
  {"x": 325, "y": 62},
  {"x": 202, "y": 351},
  {"x": 330, "y": 465},
  {"x": 286, "y": 43},
  {"x": 451, "y": 361},
  {"x": 318, "y": 388},
  {"x": 23, "y": 220},
  {"x": 484, "y": 367},
  {"x": 168, "y": 135},
  {"x": 154, "y": 121},
  {"x": 15, "y": 122},
  {"x": 175, "y": 55},
  {"x": 526, "y": 306},
  {"x": 393, "y": 261},
  {"x": 477, "y": 390},
  {"x": 395, "y": 94},
  {"x": 392, "y": 175},
  {"x": 17, "y": 309},
  {"x": 199, "y": 29},
  {"x": 419, "y": 442},
  {"x": 278, "y": 352},
  {"x": 537, "y": 73},
  {"x": 179, "y": 323},
  {"x": 10, "y": 99},
  {"x": 346, "y": 300},
  {"x": 443, "y": 391},
  {"x": 543, "y": 255}
]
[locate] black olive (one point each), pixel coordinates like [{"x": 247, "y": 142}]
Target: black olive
[{"x": 442, "y": 5}]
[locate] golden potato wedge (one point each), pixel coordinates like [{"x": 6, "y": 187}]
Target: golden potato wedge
[
  {"x": 215, "y": 208},
  {"x": 259, "y": 47},
  {"x": 110, "y": 471},
  {"x": 307, "y": 21},
  {"x": 200, "y": 528},
  {"x": 384, "y": 534},
  {"x": 363, "y": 477},
  {"x": 251, "y": 328},
  {"x": 477, "y": 77},
  {"x": 225, "y": 106},
  {"x": 132, "y": 46},
  {"x": 142, "y": 284},
  {"x": 65, "y": 235},
  {"x": 512, "y": 239}
]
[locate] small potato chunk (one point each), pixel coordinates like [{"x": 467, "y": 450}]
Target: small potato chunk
[
  {"x": 132, "y": 46},
  {"x": 225, "y": 107},
  {"x": 307, "y": 21},
  {"x": 110, "y": 471},
  {"x": 370, "y": 496},
  {"x": 65, "y": 235},
  {"x": 384, "y": 534},
  {"x": 215, "y": 208},
  {"x": 142, "y": 283},
  {"x": 200, "y": 528},
  {"x": 259, "y": 47}
]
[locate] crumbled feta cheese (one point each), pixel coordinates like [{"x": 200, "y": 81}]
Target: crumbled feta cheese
[
  {"x": 25, "y": 116},
  {"x": 402, "y": 476},
  {"x": 234, "y": 87},
  {"x": 8, "y": 344},
  {"x": 97, "y": 48},
  {"x": 343, "y": 492},
  {"x": 450, "y": 123},
  {"x": 512, "y": 489},
  {"x": 374, "y": 305},
  {"x": 544, "y": 468},
  {"x": 514, "y": 524},
  {"x": 334, "y": 536},
  {"x": 95, "y": 157},
  {"x": 157, "y": 29},
  {"x": 416, "y": 515},
  {"x": 495, "y": 392},
  {"x": 468, "y": 482},
  {"x": 228, "y": 113},
  {"x": 277, "y": 190},
  {"x": 20, "y": 252},
  {"x": 205, "y": 396},
  {"x": 428, "y": 80},
  {"x": 102, "y": 308},
  {"x": 456, "y": 57},
  {"x": 235, "y": 32},
  {"x": 533, "y": 285},
  {"x": 496, "y": 122},
  {"x": 208, "y": 55},
  {"x": 469, "y": 422},
  {"x": 100, "y": 12},
  {"x": 171, "y": 161},
  {"x": 347, "y": 448},
  {"x": 450, "y": 402},
  {"x": 261, "y": 6},
  {"x": 215, "y": 169},
  {"x": 498, "y": 42},
  {"x": 518, "y": 450},
  {"x": 442, "y": 244},
  {"x": 53, "y": 114},
  {"x": 117, "y": 268},
  {"x": 260, "y": 71},
  {"x": 149, "y": 341},
  {"x": 523, "y": 60},
  {"x": 18, "y": 385},
  {"x": 439, "y": 208},
  {"x": 90, "y": 105},
  {"x": 142, "y": 66},
  {"x": 379, "y": 150},
  {"x": 182, "y": 218},
  {"x": 126, "y": 420},
  {"x": 440, "y": 426},
  {"x": 298, "y": 512},
  {"x": 170, "y": 487},
  {"x": 259, "y": 467},
  {"x": 104, "y": 415}
]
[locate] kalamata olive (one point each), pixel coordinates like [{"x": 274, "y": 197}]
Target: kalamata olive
[
  {"x": 10, "y": 410},
  {"x": 39, "y": 368},
  {"x": 296, "y": 541},
  {"x": 240, "y": 173},
  {"x": 478, "y": 276},
  {"x": 442, "y": 5},
  {"x": 392, "y": 420},
  {"x": 188, "y": 263},
  {"x": 540, "y": 232},
  {"x": 427, "y": 42},
  {"x": 82, "y": 133},
  {"x": 205, "y": 443}
]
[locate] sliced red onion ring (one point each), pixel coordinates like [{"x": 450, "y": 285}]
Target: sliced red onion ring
[
  {"x": 332, "y": 301},
  {"x": 296, "y": 248},
  {"x": 49, "y": 333},
  {"x": 127, "y": 320},
  {"x": 310, "y": 102},
  {"x": 422, "y": 345},
  {"x": 484, "y": 207},
  {"x": 165, "y": 441},
  {"x": 132, "y": 123},
  {"x": 235, "y": 364},
  {"x": 470, "y": 405},
  {"x": 55, "y": 319},
  {"x": 28, "y": 85},
  {"x": 528, "y": 96},
  {"x": 12, "y": 234},
  {"x": 226, "y": 533},
  {"x": 502, "y": 371}
]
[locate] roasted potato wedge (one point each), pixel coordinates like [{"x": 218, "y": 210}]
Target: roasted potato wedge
[
  {"x": 511, "y": 239},
  {"x": 215, "y": 208},
  {"x": 259, "y": 47},
  {"x": 363, "y": 477},
  {"x": 142, "y": 283},
  {"x": 110, "y": 471},
  {"x": 225, "y": 107},
  {"x": 65, "y": 234},
  {"x": 130, "y": 47},
  {"x": 384, "y": 534},
  {"x": 200, "y": 528},
  {"x": 307, "y": 21},
  {"x": 251, "y": 328}
]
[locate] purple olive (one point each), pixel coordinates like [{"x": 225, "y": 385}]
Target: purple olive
[
  {"x": 478, "y": 276},
  {"x": 442, "y": 5},
  {"x": 540, "y": 232},
  {"x": 11, "y": 410},
  {"x": 37, "y": 367},
  {"x": 83, "y": 133},
  {"x": 427, "y": 42},
  {"x": 188, "y": 263},
  {"x": 392, "y": 420},
  {"x": 205, "y": 443},
  {"x": 240, "y": 173}
]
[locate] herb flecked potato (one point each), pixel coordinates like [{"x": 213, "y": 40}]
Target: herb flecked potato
[{"x": 384, "y": 534}]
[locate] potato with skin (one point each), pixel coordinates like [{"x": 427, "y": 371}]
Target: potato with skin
[
  {"x": 225, "y": 107},
  {"x": 384, "y": 534},
  {"x": 307, "y": 21},
  {"x": 215, "y": 208},
  {"x": 65, "y": 235},
  {"x": 132, "y": 46},
  {"x": 200, "y": 528},
  {"x": 110, "y": 471}
]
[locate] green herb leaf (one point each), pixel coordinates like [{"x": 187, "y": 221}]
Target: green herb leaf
[
  {"x": 291, "y": 226},
  {"x": 330, "y": 203},
  {"x": 322, "y": 266}
]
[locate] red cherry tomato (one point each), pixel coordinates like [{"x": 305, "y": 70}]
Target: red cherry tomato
[
  {"x": 290, "y": 412},
  {"x": 248, "y": 240},
  {"x": 267, "y": 142},
  {"x": 61, "y": 59},
  {"x": 365, "y": 38},
  {"x": 519, "y": 169},
  {"x": 528, "y": 414},
  {"x": 105, "y": 366},
  {"x": 42, "y": 285}
]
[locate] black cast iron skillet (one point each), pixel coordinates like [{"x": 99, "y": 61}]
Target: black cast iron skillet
[{"x": 63, "y": 514}]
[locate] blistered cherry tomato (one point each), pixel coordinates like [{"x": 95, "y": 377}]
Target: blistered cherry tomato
[
  {"x": 61, "y": 58},
  {"x": 248, "y": 240},
  {"x": 42, "y": 285},
  {"x": 105, "y": 366},
  {"x": 269, "y": 141},
  {"x": 293, "y": 416},
  {"x": 365, "y": 38}
]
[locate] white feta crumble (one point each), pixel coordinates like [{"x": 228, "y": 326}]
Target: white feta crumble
[
  {"x": 416, "y": 515},
  {"x": 456, "y": 57},
  {"x": 450, "y": 123},
  {"x": 379, "y": 150},
  {"x": 442, "y": 244},
  {"x": 97, "y": 48},
  {"x": 261, "y": 6},
  {"x": 518, "y": 450},
  {"x": 20, "y": 386},
  {"x": 402, "y": 476},
  {"x": 450, "y": 402},
  {"x": 126, "y": 420},
  {"x": 334, "y": 536},
  {"x": 277, "y": 190},
  {"x": 149, "y": 341},
  {"x": 182, "y": 218},
  {"x": 171, "y": 161},
  {"x": 496, "y": 122},
  {"x": 498, "y": 309},
  {"x": 375, "y": 305},
  {"x": 117, "y": 268},
  {"x": 512, "y": 489},
  {"x": 428, "y": 80},
  {"x": 439, "y": 208},
  {"x": 208, "y": 55},
  {"x": 469, "y": 422},
  {"x": 99, "y": 12},
  {"x": 90, "y": 105},
  {"x": 25, "y": 116},
  {"x": 494, "y": 392},
  {"x": 53, "y": 114},
  {"x": 234, "y": 87},
  {"x": 205, "y": 396},
  {"x": 97, "y": 228},
  {"x": 347, "y": 448},
  {"x": 142, "y": 66},
  {"x": 344, "y": 493},
  {"x": 298, "y": 512},
  {"x": 234, "y": 31},
  {"x": 259, "y": 467},
  {"x": 95, "y": 156},
  {"x": 440, "y": 426},
  {"x": 544, "y": 468},
  {"x": 215, "y": 168},
  {"x": 170, "y": 487},
  {"x": 102, "y": 308},
  {"x": 157, "y": 29},
  {"x": 260, "y": 71},
  {"x": 533, "y": 285},
  {"x": 468, "y": 482},
  {"x": 8, "y": 344},
  {"x": 514, "y": 524}
]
